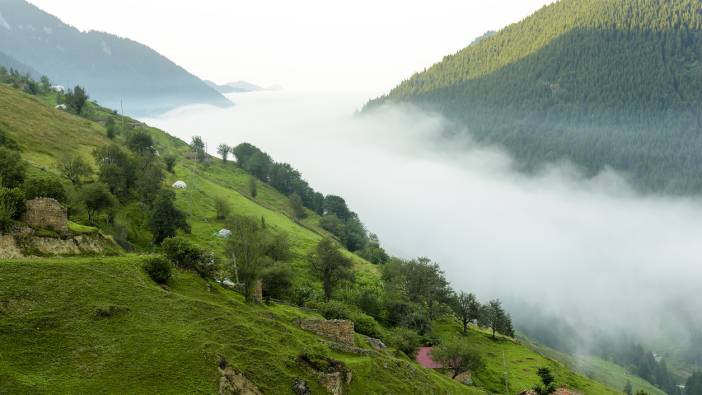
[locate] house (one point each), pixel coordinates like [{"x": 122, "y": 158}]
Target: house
[{"x": 424, "y": 358}]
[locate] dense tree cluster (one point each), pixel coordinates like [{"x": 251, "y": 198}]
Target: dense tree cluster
[{"x": 600, "y": 83}]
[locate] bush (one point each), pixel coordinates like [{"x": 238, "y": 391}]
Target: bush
[
  {"x": 222, "y": 208},
  {"x": 181, "y": 253},
  {"x": 335, "y": 310},
  {"x": 44, "y": 187},
  {"x": 278, "y": 246},
  {"x": 170, "y": 161},
  {"x": 277, "y": 281},
  {"x": 365, "y": 325},
  {"x": 12, "y": 168},
  {"x": 159, "y": 269},
  {"x": 11, "y": 206},
  {"x": 405, "y": 340}
]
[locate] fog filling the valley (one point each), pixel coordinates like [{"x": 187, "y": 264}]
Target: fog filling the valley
[{"x": 590, "y": 251}]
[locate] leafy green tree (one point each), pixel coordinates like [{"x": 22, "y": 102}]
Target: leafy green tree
[
  {"x": 298, "y": 209},
  {"x": 12, "y": 168},
  {"x": 548, "y": 382},
  {"x": 159, "y": 269},
  {"x": 495, "y": 317},
  {"x": 166, "y": 219},
  {"x": 337, "y": 205},
  {"x": 47, "y": 187},
  {"x": 148, "y": 180},
  {"x": 277, "y": 281},
  {"x": 75, "y": 99},
  {"x": 252, "y": 187},
  {"x": 170, "y": 161},
  {"x": 116, "y": 169},
  {"x": 259, "y": 165},
  {"x": 330, "y": 266},
  {"x": 111, "y": 128},
  {"x": 243, "y": 153},
  {"x": 198, "y": 147},
  {"x": 467, "y": 308},
  {"x": 247, "y": 250},
  {"x": 332, "y": 224},
  {"x": 456, "y": 355},
  {"x": 223, "y": 150},
  {"x": 140, "y": 142},
  {"x": 222, "y": 208},
  {"x": 75, "y": 168},
  {"x": 97, "y": 198},
  {"x": 11, "y": 206},
  {"x": 182, "y": 253},
  {"x": 693, "y": 386}
]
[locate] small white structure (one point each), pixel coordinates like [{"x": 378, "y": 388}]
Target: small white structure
[
  {"x": 180, "y": 185},
  {"x": 58, "y": 88},
  {"x": 224, "y": 233},
  {"x": 61, "y": 107}
]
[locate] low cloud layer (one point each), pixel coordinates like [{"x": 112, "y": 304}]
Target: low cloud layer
[{"x": 591, "y": 251}]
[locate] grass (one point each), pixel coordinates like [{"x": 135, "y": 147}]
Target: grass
[
  {"x": 100, "y": 325},
  {"x": 55, "y": 338},
  {"x": 598, "y": 369}
]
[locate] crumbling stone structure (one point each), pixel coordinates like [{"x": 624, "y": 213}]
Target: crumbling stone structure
[
  {"x": 337, "y": 330},
  {"x": 46, "y": 213}
]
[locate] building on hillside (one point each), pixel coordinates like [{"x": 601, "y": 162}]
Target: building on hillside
[{"x": 424, "y": 358}]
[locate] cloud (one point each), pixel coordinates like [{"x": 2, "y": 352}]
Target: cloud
[{"x": 589, "y": 250}]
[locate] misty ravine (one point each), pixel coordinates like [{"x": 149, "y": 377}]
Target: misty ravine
[{"x": 591, "y": 250}]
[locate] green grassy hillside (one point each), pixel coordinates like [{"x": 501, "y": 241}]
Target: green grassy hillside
[{"x": 85, "y": 325}]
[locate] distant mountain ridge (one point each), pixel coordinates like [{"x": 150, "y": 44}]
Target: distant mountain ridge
[
  {"x": 235, "y": 87},
  {"x": 600, "y": 83},
  {"x": 114, "y": 70},
  {"x": 10, "y": 63}
]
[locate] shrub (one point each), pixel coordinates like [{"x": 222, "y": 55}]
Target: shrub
[
  {"x": 11, "y": 206},
  {"x": 405, "y": 340},
  {"x": 277, "y": 281},
  {"x": 159, "y": 269},
  {"x": 335, "y": 310},
  {"x": 365, "y": 325},
  {"x": 278, "y": 246},
  {"x": 44, "y": 187},
  {"x": 12, "y": 168},
  {"x": 222, "y": 208},
  {"x": 181, "y": 253},
  {"x": 7, "y": 141},
  {"x": 170, "y": 161}
]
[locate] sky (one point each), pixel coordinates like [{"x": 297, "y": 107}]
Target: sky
[{"x": 362, "y": 45}]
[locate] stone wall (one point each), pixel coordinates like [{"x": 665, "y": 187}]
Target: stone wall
[
  {"x": 337, "y": 330},
  {"x": 46, "y": 213}
]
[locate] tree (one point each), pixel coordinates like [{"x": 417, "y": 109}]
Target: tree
[
  {"x": 222, "y": 208},
  {"x": 198, "y": 146},
  {"x": 11, "y": 206},
  {"x": 467, "y": 308},
  {"x": 457, "y": 356},
  {"x": 116, "y": 169},
  {"x": 277, "y": 281},
  {"x": 252, "y": 187},
  {"x": 298, "y": 209},
  {"x": 548, "y": 385},
  {"x": 97, "y": 198},
  {"x": 223, "y": 150},
  {"x": 111, "y": 128},
  {"x": 496, "y": 319},
  {"x": 75, "y": 99},
  {"x": 693, "y": 386},
  {"x": 628, "y": 388},
  {"x": 12, "y": 168},
  {"x": 330, "y": 266},
  {"x": 337, "y": 205},
  {"x": 140, "y": 142},
  {"x": 332, "y": 224},
  {"x": 170, "y": 161},
  {"x": 47, "y": 187},
  {"x": 75, "y": 168},
  {"x": 166, "y": 219},
  {"x": 247, "y": 251}
]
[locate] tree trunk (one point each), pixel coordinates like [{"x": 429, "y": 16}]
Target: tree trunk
[{"x": 465, "y": 326}]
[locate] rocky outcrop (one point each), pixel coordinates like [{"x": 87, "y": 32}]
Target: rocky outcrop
[
  {"x": 337, "y": 330},
  {"x": 300, "y": 387},
  {"x": 46, "y": 213},
  {"x": 376, "y": 343},
  {"x": 232, "y": 382},
  {"x": 25, "y": 242}
]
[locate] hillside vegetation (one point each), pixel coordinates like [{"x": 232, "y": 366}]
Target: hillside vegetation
[
  {"x": 600, "y": 83},
  {"x": 101, "y": 324}
]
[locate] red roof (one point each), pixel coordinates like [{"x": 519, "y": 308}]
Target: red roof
[{"x": 424, "y": 358}]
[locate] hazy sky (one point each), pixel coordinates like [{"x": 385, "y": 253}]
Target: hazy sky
[{"x": 362, "y": 45}]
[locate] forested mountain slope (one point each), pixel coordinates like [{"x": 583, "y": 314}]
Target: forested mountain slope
[
  {"x": 598, "y": 82},
  {"x": 114, "y": 70},
  {"x": 100, "y": 324}
]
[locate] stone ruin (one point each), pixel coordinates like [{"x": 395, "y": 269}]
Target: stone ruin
[
  {"x": 46, "y": 213},
  {"x": 337, "y": 330}
]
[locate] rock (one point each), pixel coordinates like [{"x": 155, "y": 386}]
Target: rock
[
  {"x": 376, "y": 343},
  {"x": 300, "y": 387},
  {"x": 46, "y": 213},
  {"x": 234, "y": 383},
  {"x": 337, "y": 330}
]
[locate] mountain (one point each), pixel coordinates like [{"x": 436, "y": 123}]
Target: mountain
[
  {"x": 106, "y": 326},
  {"x": 599, "y": 83},
  {"x": 10, "y": 63},
  {"x": 235, "y": 87},
  {"x": 113, "y": 69}
]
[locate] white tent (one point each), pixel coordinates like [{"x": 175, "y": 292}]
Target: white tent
[
  {"x": 224, "y": 233},
  {"x": 180, "y": 185}
]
